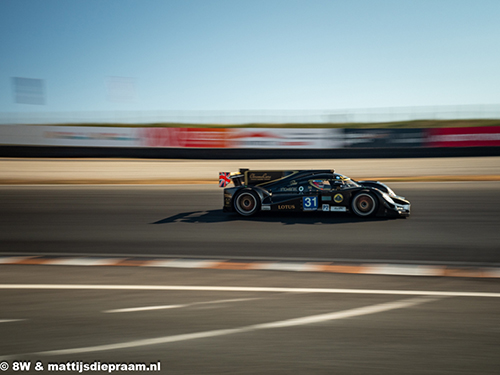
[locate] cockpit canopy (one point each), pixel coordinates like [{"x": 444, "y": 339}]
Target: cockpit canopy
[{"x": 337, "y": 182}]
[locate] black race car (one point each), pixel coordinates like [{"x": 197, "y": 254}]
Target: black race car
[{"x": 308, "y": 190}]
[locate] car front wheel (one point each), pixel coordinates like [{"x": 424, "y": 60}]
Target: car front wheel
[{"x": 364, "y": 204}]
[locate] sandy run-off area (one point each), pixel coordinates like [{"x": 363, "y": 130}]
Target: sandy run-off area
[{"x": 171, "y": 171}]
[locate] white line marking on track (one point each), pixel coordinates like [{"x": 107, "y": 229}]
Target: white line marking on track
[
  {"x": 223, "y": 332},
  {"x": 398, "y": 269},
  {"x": 148, "y": 308},
  {"x": 83, "y": 261},
  {"x": 249, "y": 289},
  {"x": 182, "y": 263},
  {"x": 11, "y": 320},
  {"x": 286, "y": 267}
]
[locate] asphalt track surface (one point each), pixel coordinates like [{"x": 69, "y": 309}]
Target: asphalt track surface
[
  {"x": 207, "y": 321},
  {"x": 450, "y": 222},
  {"x": 247, "y": 322}
]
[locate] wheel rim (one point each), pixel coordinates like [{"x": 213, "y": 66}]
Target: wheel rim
[
  {"x": 364, "y": 205},
  {"x": 246, "y": 204}
]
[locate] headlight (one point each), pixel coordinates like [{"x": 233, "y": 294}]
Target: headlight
[{"x": 388, "y": 198}]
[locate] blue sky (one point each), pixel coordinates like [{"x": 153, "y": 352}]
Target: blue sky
[{"x": 252, "y": 54}]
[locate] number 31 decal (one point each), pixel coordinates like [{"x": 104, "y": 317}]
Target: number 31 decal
[{"x": 310, "y": 203}]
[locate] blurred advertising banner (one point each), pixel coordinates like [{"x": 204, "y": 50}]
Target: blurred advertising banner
[
  {"x": 81, "y": 136},
  {"x": 241, "y": 138},
  {"x": 384, "y": 138},
  {"x": 90, "y": 136},
  {"x": 286, "y": 138},
  {"x": 247, "y": 138},
  {"x": 464, "y": 137},
  {"x": 184, "y": 137},
  {"x": 24, "y": 135}
]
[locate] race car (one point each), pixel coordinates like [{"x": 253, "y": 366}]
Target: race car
[{"x": 308, "y": 190}]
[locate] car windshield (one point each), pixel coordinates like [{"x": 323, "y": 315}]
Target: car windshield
[{"x": 346, "y": 181}]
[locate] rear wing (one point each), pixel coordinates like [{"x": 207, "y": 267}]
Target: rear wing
[{"x": 249, "y": 177}]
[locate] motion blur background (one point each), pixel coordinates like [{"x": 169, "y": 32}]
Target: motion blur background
[
  {"x": 248, "y": 61},
  {"x": 401, "y": 90},
  {"x": 328, "y": 64}
]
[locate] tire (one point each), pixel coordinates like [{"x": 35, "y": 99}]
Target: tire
[
  {"x": 364, "y": 204},
  {"x": 247, "y": 203}
]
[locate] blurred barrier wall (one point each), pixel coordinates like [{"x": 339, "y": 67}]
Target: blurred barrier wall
[
  {"x": 247, "y": 138},
  {"x": 384, "y": 138}
]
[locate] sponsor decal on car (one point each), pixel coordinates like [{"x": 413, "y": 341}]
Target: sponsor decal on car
[
  {"x": 338, "y": 209},
  {"x": 338, "y": 198},
  {"x": 286, "y": 207},
  {"x": 261, "y": 177},
  {"x": 325, "y": 207},
  {"x": 310, "y": 203}
]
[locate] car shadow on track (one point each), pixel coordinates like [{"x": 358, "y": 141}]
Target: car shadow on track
[{"x": 291, "y": 218}]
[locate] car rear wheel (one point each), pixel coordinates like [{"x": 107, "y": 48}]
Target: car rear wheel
[
  {"x": 247, "y": 203},
  {"x": 364, "y": 204}
]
